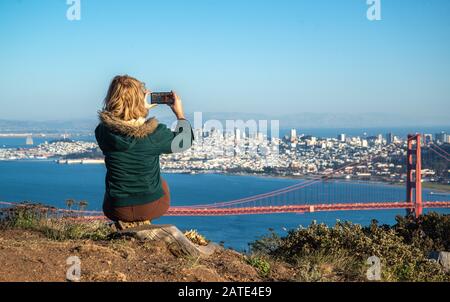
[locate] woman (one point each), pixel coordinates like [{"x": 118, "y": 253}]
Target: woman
[{"x": 135, "y": 192}]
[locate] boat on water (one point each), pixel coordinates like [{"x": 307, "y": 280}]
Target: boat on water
[
  {"x": 69, "y": 161},
  {"x": 92, "y": 161},
  {"x": 80, "y": 161}
]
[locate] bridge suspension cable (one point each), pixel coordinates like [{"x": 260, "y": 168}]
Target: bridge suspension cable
[
  {"x": 438, "y": 153},
  {"x": 291, "y": 188},
  {"x": 441, "y": 149}
]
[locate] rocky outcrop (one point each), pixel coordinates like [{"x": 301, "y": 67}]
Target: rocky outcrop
[
  {"x": 176, "y": 241},
  {"x": 443, "y": 258}
]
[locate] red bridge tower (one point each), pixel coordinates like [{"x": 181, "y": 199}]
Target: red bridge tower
[{"x": 414, "y": 175}]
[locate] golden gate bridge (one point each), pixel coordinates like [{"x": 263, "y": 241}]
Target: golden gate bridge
[
  {"x": 326, "y": 194},
  {"x": 321, "y": 197}
]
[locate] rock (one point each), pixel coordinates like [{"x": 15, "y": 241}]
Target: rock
[
  {"x": 125, "y": 252},
  {"x": 109, "y": 276},
  {"x": 175, "y": 240},
  {"x": 443, "y": 258},
  {"x": 203, "y": 274},
  {"x": 89, "y": 249}
]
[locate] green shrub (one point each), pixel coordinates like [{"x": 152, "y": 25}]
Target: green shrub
[
  {"x": 344, "y": 249},
  {"x": 260, "y": 264},
  {"x": 430, "y": 232}
]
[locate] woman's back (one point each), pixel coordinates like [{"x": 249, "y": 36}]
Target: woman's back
[
  {"x": 132, "y": 158},
  {"x": 132, "y": 145}
]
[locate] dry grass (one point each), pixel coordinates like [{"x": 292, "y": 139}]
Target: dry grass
[
  {"x": 196, "y": 238},
  {"x": 43, "y": 220}
]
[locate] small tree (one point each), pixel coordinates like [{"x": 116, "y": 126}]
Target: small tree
[
  {"x": 82, "y": 204},
  {"x": 70, "y": 203}
]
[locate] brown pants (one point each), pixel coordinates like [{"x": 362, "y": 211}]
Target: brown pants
[{"x": 143, "y": 212}]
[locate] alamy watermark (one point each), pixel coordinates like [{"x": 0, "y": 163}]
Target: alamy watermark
[
  {"x": 182, "y": 141},
  {"x": 374, "y": 271},
  {"x": 374, "y": 10},
  {"x": 73, "y": 12},
  {"x": 230, "y": 137},
  {"x": 73, "y": 273}
]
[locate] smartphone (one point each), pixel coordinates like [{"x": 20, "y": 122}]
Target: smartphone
[{"x": 162, "y": 98}]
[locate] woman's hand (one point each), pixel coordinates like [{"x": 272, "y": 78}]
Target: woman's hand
[
  {"x": 146, "y": 103},
  {"x": 177, "y": 106}
]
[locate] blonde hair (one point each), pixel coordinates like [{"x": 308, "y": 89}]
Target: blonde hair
[{"x": 125, "y": 98}]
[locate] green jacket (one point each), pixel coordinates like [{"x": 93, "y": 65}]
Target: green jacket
[{"x": 132, "y": 158}]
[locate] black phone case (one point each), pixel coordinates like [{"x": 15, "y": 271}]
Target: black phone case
[{"x": 161, "y": 98}]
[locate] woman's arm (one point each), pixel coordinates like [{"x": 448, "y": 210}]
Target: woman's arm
[
  {"x": 177, "y": 107},
  {"x": 181, "y": 139},
  {"x": 184, "y": 135}
]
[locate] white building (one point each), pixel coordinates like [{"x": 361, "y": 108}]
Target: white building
[
  {"x": 237, "y": 134},
  {"x": 293, "y": 135}
]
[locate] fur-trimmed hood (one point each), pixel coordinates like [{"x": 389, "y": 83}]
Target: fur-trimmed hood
[{"x": 120, "y": 126}]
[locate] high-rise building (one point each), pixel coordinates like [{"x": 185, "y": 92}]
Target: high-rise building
[
  {"x": 397, "y": 140},
  {"x": 341, "y": 137},
  {"x": 375, "y": 140},
  {"x": 237, "y": 134},
  {"x": 293, "y": 135},
  {"x": 441, "y": 137},
  {"x": 389, "y": 138},
  {"x": 260, "y": 136},
  {"x": 198, "y": 134}
]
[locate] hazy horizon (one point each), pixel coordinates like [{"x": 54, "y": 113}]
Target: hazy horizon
[{"x": 300, "y": 120}]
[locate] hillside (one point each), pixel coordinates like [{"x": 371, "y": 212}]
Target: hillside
[
  {"x": 35, "y": 247},
  {"x": 30, "y": 256}
]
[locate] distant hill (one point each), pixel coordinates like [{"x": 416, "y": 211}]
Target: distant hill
[
  {"x": 333, "y": 120},
  {"x": 297, "y": 120},
  {"x": 51, "y": 126}
]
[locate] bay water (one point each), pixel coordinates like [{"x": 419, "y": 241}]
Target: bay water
[{"x": 51, "y": 184}]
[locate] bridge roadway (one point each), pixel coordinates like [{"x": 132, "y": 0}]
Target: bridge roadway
[{"x": 228, "y": 211}]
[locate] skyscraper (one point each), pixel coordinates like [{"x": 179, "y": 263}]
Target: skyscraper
[
  {"x": 293, "y": 135},
  {"x": 389, "y": 138},
  {"x": 441, "y": 137},
  {"x": 237, "y": 135}
]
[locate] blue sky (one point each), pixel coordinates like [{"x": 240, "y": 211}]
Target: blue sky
[{"x": 272, "y": 57}]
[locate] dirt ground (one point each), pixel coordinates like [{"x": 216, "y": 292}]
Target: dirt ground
[{"x": 29, "y": 256}]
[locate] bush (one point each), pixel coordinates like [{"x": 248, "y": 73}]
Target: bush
[
  {"x": 260, "y": 264},
  {"x": 44, "y": 220},
  {"x": 344, "y": 249},
  {"x": 429, "y": 232}
]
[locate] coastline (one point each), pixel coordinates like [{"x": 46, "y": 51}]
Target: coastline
[
  {"x": 443, "y": 188},
  {"x": 353, "y": 178},
  {"x": 438, "y": 187}
]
